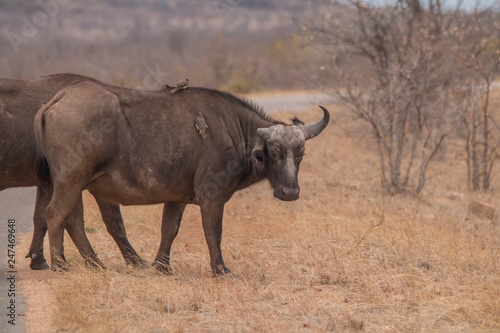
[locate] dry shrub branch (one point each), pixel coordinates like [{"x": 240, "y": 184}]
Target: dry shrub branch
[{"x": 404, "y": 68}]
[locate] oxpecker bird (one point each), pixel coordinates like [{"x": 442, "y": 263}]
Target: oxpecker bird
[
  {"x": 182, "y": 84},
  {"x": 201, "y": 126},
  {"x": 297, "y": 122}
]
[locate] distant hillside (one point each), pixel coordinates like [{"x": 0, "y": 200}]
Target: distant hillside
[{"x": 241, "y": 45}]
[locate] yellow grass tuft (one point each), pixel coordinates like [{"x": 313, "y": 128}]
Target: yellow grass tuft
[{"x": 344, "y": 257}]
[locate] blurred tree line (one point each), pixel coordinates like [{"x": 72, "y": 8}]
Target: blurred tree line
[{"x": 238, "y": 45}]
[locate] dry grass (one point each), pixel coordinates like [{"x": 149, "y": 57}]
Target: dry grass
[{"x": 342, "y": 258}]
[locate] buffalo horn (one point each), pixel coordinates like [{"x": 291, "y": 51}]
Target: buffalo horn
[{"x": 314, "y": 129}]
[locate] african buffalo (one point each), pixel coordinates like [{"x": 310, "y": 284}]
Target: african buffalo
[
  {"x": 19, "y": 102},
  {"x": 134, "y": 147}
]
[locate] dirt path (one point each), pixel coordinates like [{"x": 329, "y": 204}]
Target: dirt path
[
  {"x": 291, "y": 102},
  {"x": 15, "y": 204}
]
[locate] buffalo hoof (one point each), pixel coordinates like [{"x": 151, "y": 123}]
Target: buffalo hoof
[
  {"x": 60, "y": 268},
  {"x": 38, "y": 263},
  {"x": 162, "y": 268},
  {"x": 93, "y": 264},
  {"x": 221, "y": 270},
  {"x": 137, "y": 262},
  {"x": 60, "y": 265}
]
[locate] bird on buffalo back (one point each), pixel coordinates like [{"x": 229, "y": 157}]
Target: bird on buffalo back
[
  {"x": 201, "y": 126},
  {"x": 182, "y": 84}
]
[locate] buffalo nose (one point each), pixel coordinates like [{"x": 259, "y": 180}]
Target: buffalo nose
[{"x": 291, "y": 193}]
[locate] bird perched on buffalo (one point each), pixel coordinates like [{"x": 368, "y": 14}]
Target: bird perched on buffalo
[
  {"x": 182, "y": 84},
  {"x": 297, "y": 122},
  {"x": 201, "y": 126}
]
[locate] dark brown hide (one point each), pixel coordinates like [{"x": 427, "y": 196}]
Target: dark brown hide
[
  {"x": 137, "y": 147},
  {"x": 19, "y": 102}
]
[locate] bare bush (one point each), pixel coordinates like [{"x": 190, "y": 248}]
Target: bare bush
[
  {"x": 413, "y": 54},
  {"x": 481, "y": 124}
]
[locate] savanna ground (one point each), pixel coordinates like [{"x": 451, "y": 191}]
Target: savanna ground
[{"x": 345, "y": 256}]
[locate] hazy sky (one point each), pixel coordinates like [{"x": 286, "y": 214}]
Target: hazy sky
[
  {"x": 467, "y": 4},
  {"x": 473, "y": 3}
]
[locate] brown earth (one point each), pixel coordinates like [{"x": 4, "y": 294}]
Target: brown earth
[{"x": 344, "y": 257}]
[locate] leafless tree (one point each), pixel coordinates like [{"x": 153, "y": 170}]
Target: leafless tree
[
  {"x": 412, "y": 54},
  {"x": 481, "y": 125}
]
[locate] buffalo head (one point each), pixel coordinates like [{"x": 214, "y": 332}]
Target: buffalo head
[{"x": 278, "y": 152}]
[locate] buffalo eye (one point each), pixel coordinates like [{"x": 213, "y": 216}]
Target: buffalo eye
[
  {"x": 299, "y": 154},
  {"x": 273, "y": 155}
]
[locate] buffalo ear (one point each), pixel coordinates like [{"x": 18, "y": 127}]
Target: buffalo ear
[
  {"x": 258, "y": 155},
  {"x": 258, "y": 159}
]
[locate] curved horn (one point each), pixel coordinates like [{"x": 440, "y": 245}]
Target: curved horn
[{"x": 314, "y": 129}]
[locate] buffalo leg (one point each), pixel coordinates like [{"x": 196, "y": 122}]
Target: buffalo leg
[
  {"x": 76, "y": 230},
  {"x": 38, "y": 261},
  {"x": 74, "y": 226},
  {"x": 211, "y": 215},
  {"x": 172, "y": 215},
  {"x": 112, "y": 217},
  {"x": 61, "y": 205}
]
